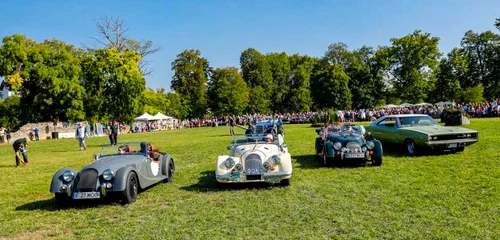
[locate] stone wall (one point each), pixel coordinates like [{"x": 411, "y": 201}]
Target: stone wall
[{"x": 45, "y": 130}]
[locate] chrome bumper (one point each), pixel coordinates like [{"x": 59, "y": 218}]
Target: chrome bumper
[
  {"x": 227, "y": 178},
  {"x": 460, "y": 142}
]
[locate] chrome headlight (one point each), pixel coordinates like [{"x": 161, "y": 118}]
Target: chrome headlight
[
  {"x": 345, "y": 149},
  {"x": 238, "y": 167},
  {"x": 108, "y": 174},
  {"x": 337, "y": 146},
  {"x": 364, "y": 149},
  {"x": 275, "y": 159},
  {"x": 68, "y": 176},
  {"x": 229, "y": 163},
  {"x": 370, "y": 145},
  {"x": 266, "y": 166}
]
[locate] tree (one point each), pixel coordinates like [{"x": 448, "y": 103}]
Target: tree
[
  {"x": 329, "y": 86},
  {"x": 114, "y": 85},
  {"x": 11, "y": 110},
  {"x": 154, "y": 101},
  {"x": 447, "y": 85},
  {"x": 227, "y": 92},
  {"x": 257, "y": 74},
  {"x": 298, "y": 98},
  {"x": 113, "y": 35},
  {"x": 191, "y": 72},
  {"x": 411, "y": 62},
  {"x": 483, "y": 55},
  {"x": 176, "y": 107},
  {"x": 280, "y": 70},
  {"x": 46, "y": 75},
  {"x": 473, "y": 94}
]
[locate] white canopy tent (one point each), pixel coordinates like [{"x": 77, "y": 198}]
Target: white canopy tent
[
  {"x": 145, "y": 117},
  {"x": 161, "y": 116}
]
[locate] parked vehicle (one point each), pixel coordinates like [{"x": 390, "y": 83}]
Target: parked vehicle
[
  {"x": 419, "y": 133},
  {"x": 341, "y": 143},
  {"x": 116, "y": 173}
]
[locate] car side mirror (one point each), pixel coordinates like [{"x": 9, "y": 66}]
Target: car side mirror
[
  {"x": 95, "y": 156},
  {"x": 229, "y": 147}
]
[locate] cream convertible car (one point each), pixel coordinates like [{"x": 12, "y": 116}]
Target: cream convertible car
[{"x": 255, "y": 158}]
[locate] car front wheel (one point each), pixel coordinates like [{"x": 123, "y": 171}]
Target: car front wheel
[
  {"x": 410, "y": 147},
  {"x": 62, "y": 199},
  {"x": 285, "y": 182},
  {"x": 131, "y": 189},
  {"x": 376, "y": 161}
]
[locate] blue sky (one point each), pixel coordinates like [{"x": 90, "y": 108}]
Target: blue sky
[{"x": 222, "y": 29}]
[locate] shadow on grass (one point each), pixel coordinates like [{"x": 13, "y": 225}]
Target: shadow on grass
[
  {"x": 208, "y": 183},
  {"x": 314, "y": 161},
  {"x": 50, "y": 204}
]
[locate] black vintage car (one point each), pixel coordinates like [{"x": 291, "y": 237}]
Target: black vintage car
[
  {"x": 342, "y": 143},
  {"x": 118, "y": 173}
]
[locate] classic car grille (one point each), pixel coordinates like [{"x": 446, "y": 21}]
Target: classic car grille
[
  {"x": 87, "y": 179},
  {"x": 252, "y": 163},
  {"x": 455, "y": 136},
  {"x": 353, "y": 147}
]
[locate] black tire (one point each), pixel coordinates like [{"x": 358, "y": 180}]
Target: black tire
[
  {"x": 131, "y": 189},
  {"x": 62, "y": 199},
  {"x": 170, "y": 171},
  {"x": 285, "y": 182},
  {"x": 376, "y": 161},
  {"x": 460, "y": 149},
  {"x": 411, "y": 147}
]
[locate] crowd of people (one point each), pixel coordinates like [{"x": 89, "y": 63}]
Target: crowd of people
[{"x": 475, "y": 110}]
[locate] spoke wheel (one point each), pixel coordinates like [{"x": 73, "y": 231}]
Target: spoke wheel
[{"x": 132, "y": 188}]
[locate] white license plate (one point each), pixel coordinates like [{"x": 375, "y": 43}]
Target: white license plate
[
  {"x": 86, "y": 195},
  {"x": 354, "y": 155},
  {"x": 273, "y": 180},
  {"x": 253, "y": 171},
  {"x": 452, "y": 145}
]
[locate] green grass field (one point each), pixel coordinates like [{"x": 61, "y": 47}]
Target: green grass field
[{"x": 451, "y": 196}]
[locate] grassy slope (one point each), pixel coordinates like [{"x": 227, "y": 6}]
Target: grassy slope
[{"x": 448, "y": 196}]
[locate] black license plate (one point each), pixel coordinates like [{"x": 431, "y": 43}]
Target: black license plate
[{"x": 354, "y": 155}]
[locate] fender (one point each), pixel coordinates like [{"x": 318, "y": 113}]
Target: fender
[
  {"x": 329, "y": 149},
  {"x": 57, "y": 180},
  {"x": 319, "y": 145},
  {"x": 377, "y": 150},
  {"x": 120, "y": 180},
  {"x": 165, "y": 161}
]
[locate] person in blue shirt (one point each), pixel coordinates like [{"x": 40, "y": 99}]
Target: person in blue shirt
[{"x": 35, "y": 130}]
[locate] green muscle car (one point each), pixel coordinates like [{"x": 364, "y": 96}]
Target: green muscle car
[{"x": 419, "y": 133}]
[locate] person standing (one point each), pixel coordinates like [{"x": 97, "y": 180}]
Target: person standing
[
  {"x": 35, "y": 130},
  {"x": 231, "y": 126},
  {"x": 80, "y": 135},
  {"x": 20, "y": 146},
  {"x": 114, "y": 132}
]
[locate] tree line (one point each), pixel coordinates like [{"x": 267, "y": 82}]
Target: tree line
[{"x": 56, "y": 81}]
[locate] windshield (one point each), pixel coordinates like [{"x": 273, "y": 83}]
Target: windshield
[
  {"x": 343, "y": 128},
  {"x": 417, "y": 121},
  {"x": 255, "y": 138},
  {"x": 121, "y": 148}
]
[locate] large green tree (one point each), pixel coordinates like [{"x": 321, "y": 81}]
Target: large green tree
[
  {"x": 154, "y": 101},
  {"x": 329, "y": 86},
  {"x": 411, "y": 63},
  {"x": 114, "y": 85},
  {"x": 227, "y": 92},
  {"x": 257, "y": 74},
  {"x": 191, "y": 73},
  {"x": 11, "y": 110},
  {"x": 298, "y": 98},
  {"x": 280, "y": 70},
  {"x": 46, "y": 76}
]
